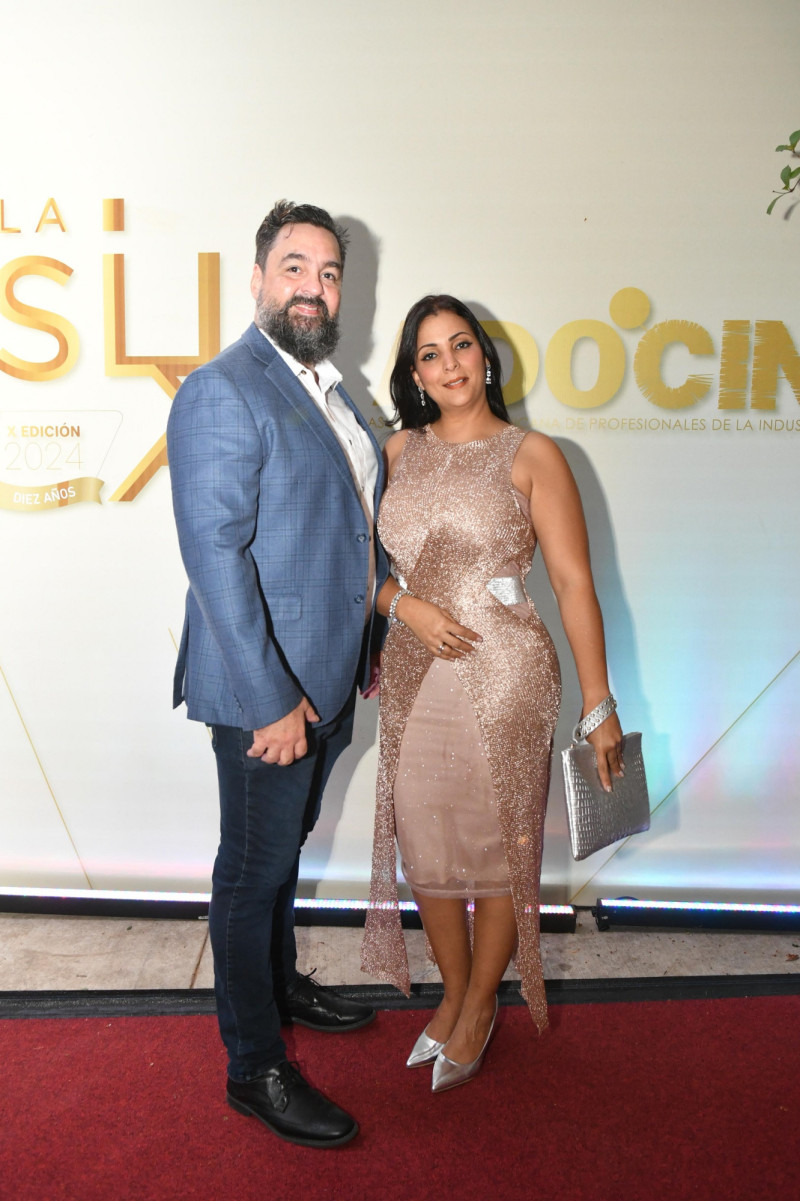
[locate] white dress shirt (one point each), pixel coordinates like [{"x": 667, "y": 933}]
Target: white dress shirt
[{"x": 352, "y": 438}]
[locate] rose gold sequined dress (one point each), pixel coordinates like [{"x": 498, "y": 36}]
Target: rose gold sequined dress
[{"x": 464, "y": 746}]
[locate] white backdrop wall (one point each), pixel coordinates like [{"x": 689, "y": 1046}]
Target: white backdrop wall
[{"x": 536, "y": 159}]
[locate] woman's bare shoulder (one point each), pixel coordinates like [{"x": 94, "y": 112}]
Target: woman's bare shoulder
[
  {"x": 538, "y": 450},
  {"x": 539, "y": 466},
  {"x": 393, "y": 448}
]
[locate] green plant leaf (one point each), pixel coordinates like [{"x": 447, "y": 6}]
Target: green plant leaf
[
  {"x": 794, "y": 138},
  {"x": 772, "y": 204},
  {"x": 786, "y": 175},
  {"x": 795, "y": 173},
  {"x": 778, "y": 148}
]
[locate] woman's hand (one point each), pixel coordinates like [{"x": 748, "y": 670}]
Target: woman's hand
[
  {"x": 438, "y": 632},
  {"x": 606, "y": 741}
]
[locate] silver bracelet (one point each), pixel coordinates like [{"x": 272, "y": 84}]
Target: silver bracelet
[
  {"x": 393, "y": 605},
  {"x": 594, "y": 719}
]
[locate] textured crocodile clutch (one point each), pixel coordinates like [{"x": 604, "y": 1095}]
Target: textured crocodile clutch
[{"x": 597, "y": 818}]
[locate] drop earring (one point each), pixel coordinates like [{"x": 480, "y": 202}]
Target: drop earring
[
  {"x": 488, "y": 374},
  {"x": 422, "y": 400}
]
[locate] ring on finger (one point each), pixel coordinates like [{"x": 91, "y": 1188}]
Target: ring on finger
[{"x": 440, "y": 650}]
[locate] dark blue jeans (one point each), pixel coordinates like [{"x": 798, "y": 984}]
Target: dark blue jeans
[{"x": 267, "y": 812}]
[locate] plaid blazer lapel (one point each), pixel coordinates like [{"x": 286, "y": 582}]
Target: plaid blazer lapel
[{"x": 283, "y": 379}]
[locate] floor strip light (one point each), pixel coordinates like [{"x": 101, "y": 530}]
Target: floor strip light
[
  {"x": 626, "y": 911},
  {"x": 103, "y": 902},
  {"x": 316, "y": 911},
  {"x": 309, "y": 911}
]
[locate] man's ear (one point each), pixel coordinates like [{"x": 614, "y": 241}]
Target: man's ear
[{"x": 255, "y": 281}]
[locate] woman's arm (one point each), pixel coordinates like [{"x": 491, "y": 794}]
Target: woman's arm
[
  {"x": 440, "y": 633},
  {"x": 434, "y": 627},
  {"x": 541, "y": 472}
]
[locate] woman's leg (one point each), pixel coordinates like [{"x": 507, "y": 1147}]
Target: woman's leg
[
  {"x": 494, "y": 940},
  {"x": 445, "y": 923}
]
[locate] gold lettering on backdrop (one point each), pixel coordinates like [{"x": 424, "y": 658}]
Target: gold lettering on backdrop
[
  {"x": 113, "y": 216},
  {"x": 647, "y": 363},
  {"x": 558, "y": 364},
  {"x": 55, "y": 219},
  {"x": 6, "y": 229},
  {"x": 54, "y": 324},
  {"x": 734, "y": 365},
  {"x": 771, "y": 347},
  {"x": 33, "y": 498},
  {"x": 629, "y": 308},
  {"x": 166, "y": 370},
  {"x": 774, "y": 350}
]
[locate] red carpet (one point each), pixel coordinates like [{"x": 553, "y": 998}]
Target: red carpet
[{"x": 618, "y": 1102}]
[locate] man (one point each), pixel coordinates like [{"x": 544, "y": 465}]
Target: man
[{"x": 275, "y": 480}]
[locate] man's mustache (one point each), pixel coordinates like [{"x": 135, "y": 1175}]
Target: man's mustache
[{"x": 310, "y": 301}]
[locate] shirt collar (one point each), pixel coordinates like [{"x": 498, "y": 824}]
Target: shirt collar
[{"x": 327, "y": 374}]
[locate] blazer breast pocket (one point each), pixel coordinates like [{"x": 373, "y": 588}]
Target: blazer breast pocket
[{"x": 286, "y": 606}]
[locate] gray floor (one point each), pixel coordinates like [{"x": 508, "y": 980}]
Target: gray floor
[{"x": 50, "y": 953}]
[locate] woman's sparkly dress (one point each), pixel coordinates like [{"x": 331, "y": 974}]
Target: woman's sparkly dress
[{"x": 464, "y": 745}]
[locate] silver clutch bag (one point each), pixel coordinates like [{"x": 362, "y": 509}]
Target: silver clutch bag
[{"x": 597, "y": 818}]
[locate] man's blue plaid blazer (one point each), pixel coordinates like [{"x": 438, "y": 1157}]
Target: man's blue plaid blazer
[{"x": 274, "y": 540}]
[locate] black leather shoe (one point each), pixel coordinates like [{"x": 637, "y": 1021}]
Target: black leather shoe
[
  {"x": 292, "y": 1109},
  {"x": 309, "y": 1004}
]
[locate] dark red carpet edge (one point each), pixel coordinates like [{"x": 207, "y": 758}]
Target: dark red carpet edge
[{"x": 617, "y": 1102}]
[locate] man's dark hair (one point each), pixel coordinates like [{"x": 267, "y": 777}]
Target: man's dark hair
[{"x": 286, "y": 212}]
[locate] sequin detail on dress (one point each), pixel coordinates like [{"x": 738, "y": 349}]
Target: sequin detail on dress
[{"x": 451, "y": 523}]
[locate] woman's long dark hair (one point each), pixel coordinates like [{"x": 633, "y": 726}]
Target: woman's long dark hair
[{"x": 408, "y": 407}]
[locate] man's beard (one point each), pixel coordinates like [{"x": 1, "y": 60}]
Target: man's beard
[{"x": 308, "y": 343}]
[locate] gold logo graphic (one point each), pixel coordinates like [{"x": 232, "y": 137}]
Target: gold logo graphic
[
  {"x": 754, "y": 357},
  {"x": 38, "y": 499},
  {"x": 50, "y": 460},
  {"x": 58, "y": 327},
  {"x": 166, "y": 370}
]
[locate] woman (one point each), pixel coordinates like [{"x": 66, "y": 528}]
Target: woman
[{"x": 470, "y": 684}]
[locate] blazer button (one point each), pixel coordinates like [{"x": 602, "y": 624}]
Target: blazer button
[
  {"x": 361, "y": 537},
  {"x": 359, "y": 599}
]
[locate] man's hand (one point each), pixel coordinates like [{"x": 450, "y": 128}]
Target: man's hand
[{"x": 284, "y": 741}]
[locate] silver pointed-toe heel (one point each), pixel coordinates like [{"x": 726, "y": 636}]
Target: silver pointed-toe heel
[
  {"x": 447, "y": 1073},
  {"x": 424, "y": 1051}
]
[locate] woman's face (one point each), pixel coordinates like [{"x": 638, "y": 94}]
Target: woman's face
[{"x": 449, "y": 363}]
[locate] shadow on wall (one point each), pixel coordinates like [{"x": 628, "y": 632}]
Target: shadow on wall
[{"x": 359, "y": 303}]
